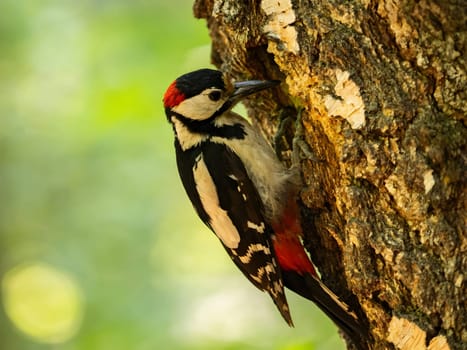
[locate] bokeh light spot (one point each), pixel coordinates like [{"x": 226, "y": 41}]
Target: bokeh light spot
[{"x": 43, "y": 302}]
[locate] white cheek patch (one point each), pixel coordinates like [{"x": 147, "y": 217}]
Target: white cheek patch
[
  {"x": 199, "y": 107},
  {"x": 219, "y": 219}
]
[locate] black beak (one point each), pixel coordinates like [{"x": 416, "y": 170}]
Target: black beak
[{"x": 248, "y": 87}]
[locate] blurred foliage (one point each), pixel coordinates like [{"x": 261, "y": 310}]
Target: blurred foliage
[{"x": 99, "y": 247}]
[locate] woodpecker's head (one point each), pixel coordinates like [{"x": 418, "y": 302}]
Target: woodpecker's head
[{"x": 204, "y": 94}]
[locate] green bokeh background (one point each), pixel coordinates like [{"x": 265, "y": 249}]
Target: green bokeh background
[{"x": 89, "y": 188}]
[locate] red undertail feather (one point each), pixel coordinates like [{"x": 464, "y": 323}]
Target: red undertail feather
[
  {"x": 299, "y": 274},
  {"x": 291, "y": 255},
  {"x": 287, "y": 244}
]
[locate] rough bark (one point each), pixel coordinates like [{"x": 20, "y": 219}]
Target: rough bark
[{"x": 382, "y": 85}]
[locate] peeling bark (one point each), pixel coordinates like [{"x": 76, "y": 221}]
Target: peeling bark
[{"x": 382, "y": 89}]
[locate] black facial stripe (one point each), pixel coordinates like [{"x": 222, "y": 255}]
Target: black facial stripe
[
  {"x": 225, "y": 107},
  {"x": 207, "y": 126}
]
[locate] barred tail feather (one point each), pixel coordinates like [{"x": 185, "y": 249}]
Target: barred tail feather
[
  {"x": 278, "y": 296},
  {"x": 310, "y": 287}
]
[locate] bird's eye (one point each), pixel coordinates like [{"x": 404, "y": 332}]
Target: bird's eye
[{"x": 215, "y": 95}]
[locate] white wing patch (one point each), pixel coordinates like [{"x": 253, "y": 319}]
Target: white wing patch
[{"x": 219, "y": 219}]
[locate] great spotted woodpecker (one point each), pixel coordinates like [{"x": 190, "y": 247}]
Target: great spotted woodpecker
[{"x": 243, "y": 193}]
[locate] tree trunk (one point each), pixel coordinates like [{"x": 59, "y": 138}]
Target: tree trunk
[{"x": 382, "y": 89}]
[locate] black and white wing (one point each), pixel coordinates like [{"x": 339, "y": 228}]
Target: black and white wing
[{"x": 225, "y": 198}]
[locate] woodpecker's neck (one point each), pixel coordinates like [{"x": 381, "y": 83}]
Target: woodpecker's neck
[{"x": 190, "y": 132}]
